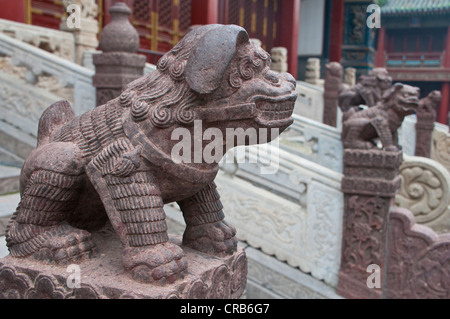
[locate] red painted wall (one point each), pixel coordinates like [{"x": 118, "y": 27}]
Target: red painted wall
[
  {"x": 12, "y": 10},
  {"x": 288, "y": 32},
  {"x": 204, "y": 12},
  {"x": 337, "y": 30}
]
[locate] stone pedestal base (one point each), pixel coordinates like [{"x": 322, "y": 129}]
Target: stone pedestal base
[{"x": 103, "y": 276}]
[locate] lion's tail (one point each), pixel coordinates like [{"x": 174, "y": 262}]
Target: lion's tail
[{"x": 53, "y": 117}]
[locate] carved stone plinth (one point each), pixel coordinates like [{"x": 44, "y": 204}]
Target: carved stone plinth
[
  {"x": 332, "y": 86},
  {"x": 424, "y": 130},
  {"x": 119, "y": 64},
  {"x": 369, "y": 185},
  {"x": 103, "y": 277},
  {"x": 426, "y": 115}
]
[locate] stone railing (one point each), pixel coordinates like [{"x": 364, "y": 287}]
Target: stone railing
[
  {"x": 20, "y": 109},
  {"x": 425, "y": 191},
  {"x": 298, "y": 207},
  {"x": 417, "y": 260},
  {"x": 440, "y": 143},
  {"x": 309, "y": 101},
  {"x": 314, "y": 141},
  {"x": 89, "y": 63},
  {"x": 60, "y": 43},
  {"x": 38, "y": 62},
  {"x": 293, "y": 213},
  {"x": 440, "y": 146}
]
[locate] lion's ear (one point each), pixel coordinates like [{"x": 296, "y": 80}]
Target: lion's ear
[{"x": 211, "y": 57}]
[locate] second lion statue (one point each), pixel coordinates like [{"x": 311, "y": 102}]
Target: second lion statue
[{"x": 114, "y": 162}]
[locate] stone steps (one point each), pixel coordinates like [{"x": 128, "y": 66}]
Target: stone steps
[
  {"x": 15, "y": 145},
  {"x": 9, "y": 179},
  {"x": 9, "y": 158},
  {"x": 9, "y": 195},
  {"x": 8, "y": 205}
]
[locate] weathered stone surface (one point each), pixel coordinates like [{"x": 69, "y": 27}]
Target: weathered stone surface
[
  {"x": 440, "y": 148},
  {"x": 9, "y": 179},
  {"x": 103, "y": 277},
  {"x": 312, "y": 75},
  {"x": 270, "y": 278},
  {"x": 368, "y": 91},
  {"x": 418, "y": 264},
  {"x": 332, "y": 87},
  {"x": 116, "y": 161},
  {"x": 361, "y": 127},
  {"x": 425, "y": 191},
  {"x": 119, "y": 64},
  {"x": 369, "y": 185},
  {"x": 426, "y": 116},
  {"x": 279, "y": 59}
]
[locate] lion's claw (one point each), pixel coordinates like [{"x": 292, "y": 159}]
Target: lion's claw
[
  {"x": 217, "y": 238},
  {"x": 155, "y": 264}
]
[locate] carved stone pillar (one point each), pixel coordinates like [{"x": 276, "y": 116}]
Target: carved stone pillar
[
  {"x": 312, "y": 75},
  {"x": 332, "y": 87},
  {"x": 424, "y": 130},
  {"x": 426, "y": 115},
  {"x": 279, "y": 59},
  {"x": 86, "y": 35},
  {"x": 369, "y": 185},
  {"x": 119, "y": 64}
]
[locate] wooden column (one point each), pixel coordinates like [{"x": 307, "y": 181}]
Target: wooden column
[
  {"x": 13, "y": 10},
  {"x": 204, "y": 12},
  {"x": 337, "y": 30},
  {"x": 443, "y": 110},
  {"x": 379, "y": 57},
  {"x": 445, "y": 91},
  {"x": 288, "y": 31}
]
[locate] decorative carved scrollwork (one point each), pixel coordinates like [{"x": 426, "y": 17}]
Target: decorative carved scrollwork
[{"x": 425, "y": 191}]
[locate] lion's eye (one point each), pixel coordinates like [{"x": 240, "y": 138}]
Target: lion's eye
[{"x": 272, "y": 76}]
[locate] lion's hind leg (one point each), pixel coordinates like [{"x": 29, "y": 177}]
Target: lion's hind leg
[{"x": 52, "y": 180}]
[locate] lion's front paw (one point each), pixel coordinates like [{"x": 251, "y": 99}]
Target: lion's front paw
[
  {"x": 215, "y": 238},
  {"x": 64, "y": 244},
  {"x": 162, "y": 263}
]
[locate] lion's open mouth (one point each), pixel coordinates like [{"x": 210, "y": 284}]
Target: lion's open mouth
[
  {"x": 409, "y": 104},
  {"x": 275, "y": 112}
]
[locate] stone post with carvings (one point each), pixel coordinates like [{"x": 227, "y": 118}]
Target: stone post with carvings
[
  {"x": 312, "y": 75},
  {"x": 86, "y": 35},
  {"x": 424, "y": 130},
  {"x": 118, "y": 64},
  {"x": 279, "y": 59},
  {"x": 332, "y": 88},
  {"x": 369, "y": 185},
  {"x": 426, "y": 115}
]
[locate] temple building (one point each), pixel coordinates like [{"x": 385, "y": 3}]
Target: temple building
[
  {"x": 161, "y": 23},
  {"x": 414, "y": 45},
  {"x": 413, "y": 42}
]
